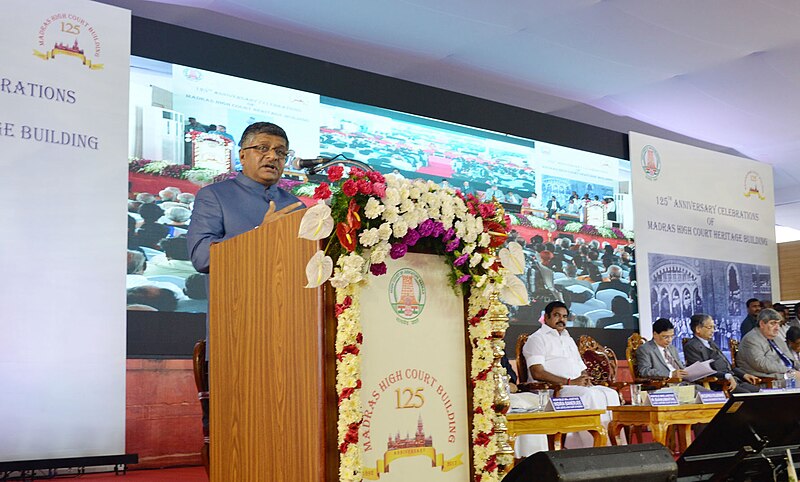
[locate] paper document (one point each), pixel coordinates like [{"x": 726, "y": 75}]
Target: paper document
[{"x": 698, "y": 370}]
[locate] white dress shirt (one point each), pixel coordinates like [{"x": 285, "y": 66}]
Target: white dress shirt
[{"x": 557, "y": 353}]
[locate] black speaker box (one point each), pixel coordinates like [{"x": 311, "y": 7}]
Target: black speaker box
[{"x": 641, "y": 463}]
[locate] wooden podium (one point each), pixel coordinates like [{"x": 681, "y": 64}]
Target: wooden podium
[{"x": 271, "y": 361}]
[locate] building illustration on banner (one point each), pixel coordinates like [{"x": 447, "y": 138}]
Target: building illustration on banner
[{"x": 682, "y": 286}]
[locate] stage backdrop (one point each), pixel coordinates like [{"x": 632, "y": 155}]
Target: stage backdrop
[
  {"x": 705, "y": 234},
  {"x": 64, "y": 69},
  {"x": 414, "y": 374}
]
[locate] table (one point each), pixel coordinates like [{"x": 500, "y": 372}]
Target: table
[
  {"x": 557, "y": 423},
  {"x": 659, "y": 419}
]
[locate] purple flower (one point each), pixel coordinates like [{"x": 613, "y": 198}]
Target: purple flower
[
  {"x": 377, "y": 268},
  {"x": 411, "y": 237},
  {"x": 426, "y": 228},
  {"x": 448, "y": 235},
  {"x": 463, "y": 279},
  {"x": 398, "y": 251},
  {"x": 461, "y": 259},
  {"x": 452, "y": 245},
  {"x": 438, "y": 229}
]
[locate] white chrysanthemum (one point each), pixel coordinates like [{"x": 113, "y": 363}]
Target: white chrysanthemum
[
  {"x": 406, "y": 206},
  {"x": 392, "y": 196},
  {"x": 391, "y": 214},
  {"x": 400, "y": 228},
  {"x": 374, "y": 208},
  {"x": 385, "y": 231},
  {"x": 476, "y": 259},
  {"x": 379, "y": 252},
  {"x": 368, "y": 237},
  {"x": 414, "y": 192},
  {"x": 484, "y": 239}
]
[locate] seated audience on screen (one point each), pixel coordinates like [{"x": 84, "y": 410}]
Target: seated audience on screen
[
  {"x": 151, "y": 231},
  {"x": 534, "y": 202},
  {"x": 175, "y": 260},
  {"x": 623, "y": 313},
  {"x": 196, "y": 300},
  {"x": 553, "y": 207},
  {"x": 658, "y": 358},
  {"x": 615, "y": 281},
  {"x": 701, "y": 347},
  {"x": 763, "y": 353},
  {"x": 513, "y": 198},
  {"x": 552, "y": 356},
  {"x": 162, "y": 299}
]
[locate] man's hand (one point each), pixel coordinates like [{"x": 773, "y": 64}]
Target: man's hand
[
  {"x": 582, "y": 381},
  {"x": 679, "y": 374},
  {"x": 273, "y": 215},
  {"x": 751, "y": 379},
  {"x": 732, "y": 382}
]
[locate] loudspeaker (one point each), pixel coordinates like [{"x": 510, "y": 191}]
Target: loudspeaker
[{"x": 640, "y": 463}]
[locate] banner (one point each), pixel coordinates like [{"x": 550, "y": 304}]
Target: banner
[
  {"x": 414, "y": 374},
  {"x": 705, "y": 235},
  {"x": 63, "y": 135}
]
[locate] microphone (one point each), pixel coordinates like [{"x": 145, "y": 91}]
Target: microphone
[{"x": 309, "y": 163}]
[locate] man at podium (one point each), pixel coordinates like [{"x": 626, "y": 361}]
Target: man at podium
[{"x": 232, "y": 207}]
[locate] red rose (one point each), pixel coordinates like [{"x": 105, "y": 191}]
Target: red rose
[
  {"x": 323, "y": 191},
  {"x": 349, "y": 188},
  {"x": 356, "y": 173},
  {"x": 335, "y": 173},
  {"x": 379, "y": 189}
]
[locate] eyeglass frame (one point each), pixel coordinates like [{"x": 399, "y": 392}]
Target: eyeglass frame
[{"x": 263, "y": 149}]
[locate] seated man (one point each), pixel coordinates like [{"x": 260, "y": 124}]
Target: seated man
[
  {"x": 793, "y": 342},
  {"x": 615, "y": 281},
  {"x": 701, "y": 347},
  {"x": 753, "y": 307},
  {"x": 658, "y": 358},
  {"x": 763, "y": 353},
  {"x": 552, "y": 356}
]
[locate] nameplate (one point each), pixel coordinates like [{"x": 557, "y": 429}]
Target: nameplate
[
  {"x": 771, "y": 390},
  {"x": 711, "y": 397},
  {"x": 662, "y": 399},
  {"x": 562, "y": 404}
]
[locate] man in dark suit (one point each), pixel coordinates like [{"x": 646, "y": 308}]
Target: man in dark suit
[
  {"x": 615, "y": 281},
  {"x": 658, "y": 358},
  {"x": 701, "y": 347},
  {"x": 553, "y": 206}
]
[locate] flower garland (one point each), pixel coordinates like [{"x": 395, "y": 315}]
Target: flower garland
[{"x": 374, "y": 217}]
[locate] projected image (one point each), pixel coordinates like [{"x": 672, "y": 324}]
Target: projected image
[
  {"x": 682, "y": 286},
  {"x": 186, "y": 124}
]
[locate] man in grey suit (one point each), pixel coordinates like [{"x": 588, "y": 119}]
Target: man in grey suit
[
  {"x": 763, "y": 353},
  {"x": 658, "y": 358},
  {"x": 701, "y": 347}
]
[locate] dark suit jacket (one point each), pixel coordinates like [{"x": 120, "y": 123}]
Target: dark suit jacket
[
  {"x": 650, "y": 362},
  {"x": 748, "y": 324},
  {"x": 695, "y": 351}
]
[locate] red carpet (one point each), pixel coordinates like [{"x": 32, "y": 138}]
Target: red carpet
[{"x": 183, "y": 474}]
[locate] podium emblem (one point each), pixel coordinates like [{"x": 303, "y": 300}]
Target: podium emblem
[{"x": 407, "y": 296}]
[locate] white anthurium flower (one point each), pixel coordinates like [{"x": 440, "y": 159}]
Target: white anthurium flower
[
  {"x": 513, "y": 291},
  {"x": 318, "y": 269},
  {"x": 513, "y": 258},
  {"x": 317, "y": 222}
]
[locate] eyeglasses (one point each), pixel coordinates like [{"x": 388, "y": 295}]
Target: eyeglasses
[{"x": 280, "y": 152}]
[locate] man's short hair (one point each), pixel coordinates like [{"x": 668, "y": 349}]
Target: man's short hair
[
  {"x": 614, "y": 272},
  {"x": 161, "y": 299},
  {"x": 196, "y": 287},
  {"x": 661, "y": 325},
  {"x": 553, "y": 305},
  {"x": 697, "y": 320},
  {"x": 175, "y": 248},
  {"x": 571, "y": 270},
  {"x": 751, "y": 300},
  {"x": 768, "y": 314},
  {"x": 793, "y": 334},
  {"x": 186, "y": 198},
  {"x": 136, "y": 262},
  {"x": 151, "y": 212},
  {"x": 779, "y": 307},
  {"x": 263, "y": 128}
]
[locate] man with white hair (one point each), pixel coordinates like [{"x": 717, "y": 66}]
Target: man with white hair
[{"x": 615, "y": 281}]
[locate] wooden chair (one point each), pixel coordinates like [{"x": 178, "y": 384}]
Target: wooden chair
[
  {"x": 706, "y": 382},
  {"x": 601, "y": 363},
  {"x": 201, "y": 380}
]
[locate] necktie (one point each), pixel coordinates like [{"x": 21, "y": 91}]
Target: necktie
[
  {"x": 785, "y": 360},
  {"x": 671, "y": 360}
]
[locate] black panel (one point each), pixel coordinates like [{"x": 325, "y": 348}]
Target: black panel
[{"x": 164, "y": 335}]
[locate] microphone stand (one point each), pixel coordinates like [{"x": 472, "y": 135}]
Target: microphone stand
[{"x": 338, "y": 160}]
